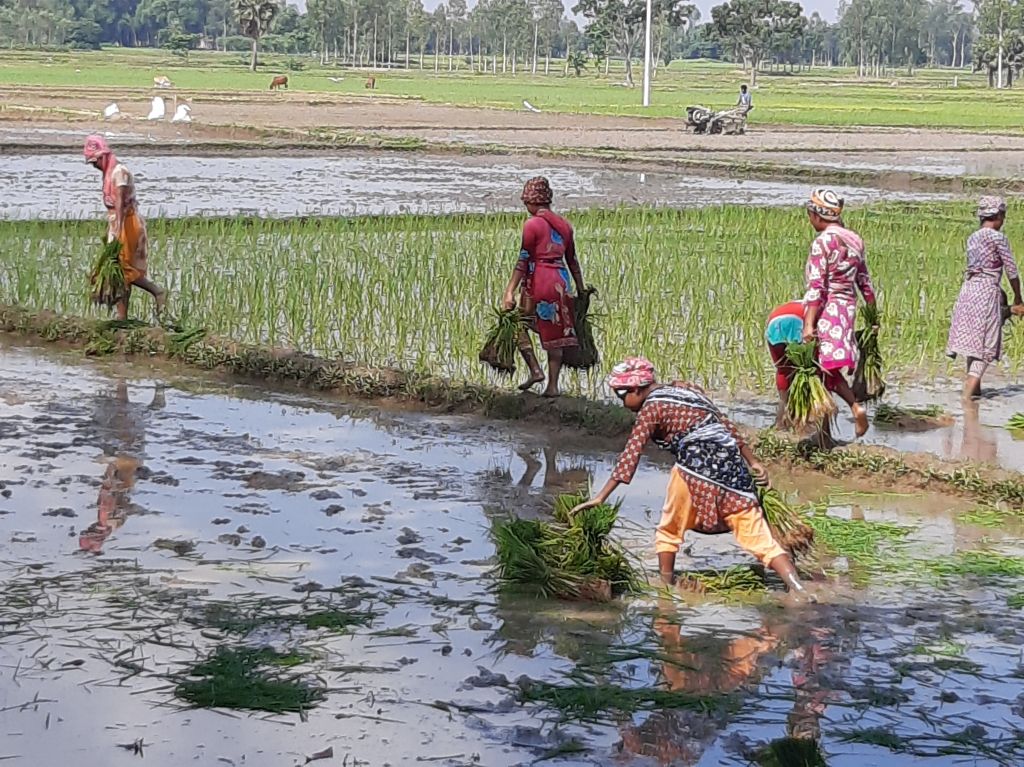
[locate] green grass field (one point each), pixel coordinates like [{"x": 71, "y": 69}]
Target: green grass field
[
  {"x": 832, "y": 97},
  {"x": 690, "y": 288}
]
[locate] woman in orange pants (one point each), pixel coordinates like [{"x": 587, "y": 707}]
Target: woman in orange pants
[{"x": 125, "y": 223}]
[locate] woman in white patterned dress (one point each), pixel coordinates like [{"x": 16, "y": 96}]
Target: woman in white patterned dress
[
  {"x": 836, "y": 271},
  {"x": 976, "y": 331}
]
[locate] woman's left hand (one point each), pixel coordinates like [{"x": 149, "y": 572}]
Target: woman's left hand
[
  {"x": 809, "y": 335},
  {"x": 1017, "y": 310}
]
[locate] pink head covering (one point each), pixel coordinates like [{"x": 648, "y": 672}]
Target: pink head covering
[
  {"x": 96, "y": 147},
  {"x": 632, "y": 373}
]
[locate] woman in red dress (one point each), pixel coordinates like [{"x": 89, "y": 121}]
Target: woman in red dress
[{"x": 547, "y": 257}]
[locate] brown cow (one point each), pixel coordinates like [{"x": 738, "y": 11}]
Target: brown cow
[
  {"x": 371, "y": 83},
  {"x": 279, "y": 82}
]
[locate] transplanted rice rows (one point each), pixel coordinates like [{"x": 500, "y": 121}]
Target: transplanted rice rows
[{"x": 689, "y": 288}]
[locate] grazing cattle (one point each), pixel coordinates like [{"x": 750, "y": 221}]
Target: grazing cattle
[
  {"x": 279, "y": 82},
  {"x": 371, "y": 83}
]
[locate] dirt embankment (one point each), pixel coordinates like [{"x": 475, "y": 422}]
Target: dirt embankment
[
  {"x": 395, "y": 387},
  {"x": 218, "y": 115}
]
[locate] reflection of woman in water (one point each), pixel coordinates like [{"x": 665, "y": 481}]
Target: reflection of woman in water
[
  {"x": 717, "y": 666},
  {"x": 569, "y": 480},
  {"x": 121, "y": 431}
]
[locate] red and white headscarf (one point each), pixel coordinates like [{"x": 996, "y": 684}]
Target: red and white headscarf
[
  {"x": 632, "y": 373},
  {"x": 96, "y": 148}
]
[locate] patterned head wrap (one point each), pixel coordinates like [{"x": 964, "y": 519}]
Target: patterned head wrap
[
  {"x": 633, "y": 373},
  {"x": 826, "y": 204},
  {"x": 537, "y": 192},
  {"x": 991, "y": 206},
  {"x": 96, "y": 147}
]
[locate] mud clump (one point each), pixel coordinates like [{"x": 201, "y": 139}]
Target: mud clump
[
  {"x": 284, "y": 480},
  {"x": 61, "y": 512},
  {"x": 181, "y": 548}
]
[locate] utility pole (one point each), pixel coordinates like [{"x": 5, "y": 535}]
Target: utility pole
[
  {"x": 999, "y": 64},
  {"x": 647, "y": 57}
]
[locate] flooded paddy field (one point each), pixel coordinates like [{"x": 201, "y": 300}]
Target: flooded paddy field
[
  {"x": 359, "y": 183},
  {"x": 158, "y": 531}
]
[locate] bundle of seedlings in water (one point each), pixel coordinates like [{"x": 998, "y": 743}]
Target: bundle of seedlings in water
[
  {"x": 584, "y": 356},
  {"x": 106, "y": 280},
  {"x": 809, "y": 402},
  {"x": 902, "y": 416},
  {"x": 1016, "y": 422},
  {"x": 503, "y": 341},
  {"x": 571, "y": 558},
  {"x": 868, "y": 383},
  {"x": 788, "y": 526},
  {"x": 732, "y": 581}
]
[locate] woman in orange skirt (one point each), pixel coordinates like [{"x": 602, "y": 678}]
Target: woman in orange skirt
[{"x": 125, "y": 223}]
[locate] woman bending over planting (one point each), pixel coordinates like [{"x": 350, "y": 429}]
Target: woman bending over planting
[
  {"x": 546, "y": 259},
  {"x": 976, "y": 331},
  {"x": 711, "y": 488},
  {"x": 836, "y": 270},
  {"x": 125, "y": 223}
]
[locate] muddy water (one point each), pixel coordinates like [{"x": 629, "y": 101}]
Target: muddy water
[
  {"x": 993, "y": 164},
  {"x": 61, "y": 186},
  {"x": 142, "y": 503},
  {"x": 972, "y": 432}
]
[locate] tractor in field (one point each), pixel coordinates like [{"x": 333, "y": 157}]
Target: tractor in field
[{"x": 729, "y": 121}]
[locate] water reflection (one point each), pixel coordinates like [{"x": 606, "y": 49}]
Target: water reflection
[
  {"x": 558, "y": 479},
  {"x": 121, "y": 430},
  {"x": 719, "y": 664}
]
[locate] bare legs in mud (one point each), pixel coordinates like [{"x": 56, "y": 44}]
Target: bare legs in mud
[
  {"x": 860, "y": 414},
  {"x": 158, "y": 293},
  {"x": 972, "y": 383},
  {"x": 536, "y": 373},
  {"x": 782, "y": 565}
]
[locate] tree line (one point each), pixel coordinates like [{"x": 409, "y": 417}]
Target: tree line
[{"x": 878, "y": 37}]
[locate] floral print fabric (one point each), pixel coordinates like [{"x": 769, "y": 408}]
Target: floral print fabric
[
  {"x": 836, "y": 270},
  {"x": 706, "y": 447},
  {"x": 546, "y": 249}
]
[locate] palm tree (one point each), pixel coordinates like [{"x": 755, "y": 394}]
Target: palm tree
[{"x": 254, "y": 19}]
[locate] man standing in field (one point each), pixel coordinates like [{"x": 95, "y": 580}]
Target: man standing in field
[{"x": 746, "y": 100}]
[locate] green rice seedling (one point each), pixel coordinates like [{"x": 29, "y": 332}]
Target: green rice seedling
[
  {"x": 107, "y": 277},
  {"x": 572, "y": 558},
  {"x": 895, "y": 414},
  {"x": 586, "y": 355},
  {"x": 1015, "y": 601},
  {"x": 788, "y": 526},
  {"x": 502, "y": 342},
  {"x": 601, "y": 702},
  {"x": 868, "y": 383},
  {"x": 791, "y": 752},
  {"x": 237, "y": 678},
  {"x": 1016, "y": 422},
  {"x": 732, "y": 581},
  {"x": 869, "y": 545},
  {"x": 809, "y": 402}
]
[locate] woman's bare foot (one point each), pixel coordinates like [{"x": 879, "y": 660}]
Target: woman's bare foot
[
  {"x": 860, "y": 418},
  {"x": 550, "y": 394},
  {"x": 533, "y": 380}
]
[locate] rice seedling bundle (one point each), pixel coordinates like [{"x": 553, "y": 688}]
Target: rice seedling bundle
[
  {"x": 868, "y": 383},
  {"x": 586, "y": 355},
  {"x": 788, "y": 526},
  {"x": 894, "y": 414},
  {"x": 1016, "y": 422},
  {"x": 107, "y": 277},
  {"x": 571, "y": 558},
  {"x": 503, "y": 341},
  {"x": 809, "y": 402}
]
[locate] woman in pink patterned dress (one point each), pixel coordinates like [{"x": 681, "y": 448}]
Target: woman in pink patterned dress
[
  {"x": 976, "y": 331},
  {"x": 836, "y": 270}
]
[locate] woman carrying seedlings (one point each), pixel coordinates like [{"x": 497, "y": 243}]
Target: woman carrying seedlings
[
  {"x": 976, "y": 331},
  {"x": 547, "y": 257},
  {"x": 711, "y": 488},
  {"x": 125, "y": 223},
  {"x": 836, "y": 270}
]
